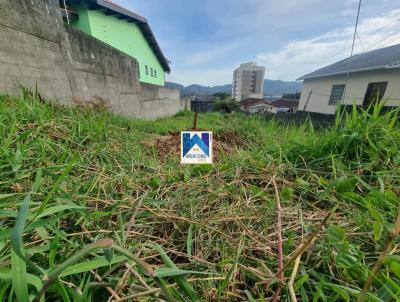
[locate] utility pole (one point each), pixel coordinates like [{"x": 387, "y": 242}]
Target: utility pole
[
  {"x": 352, "y": 48},
  {"x": 196, "y": 119},
  {"x": 355, "y": 29}
]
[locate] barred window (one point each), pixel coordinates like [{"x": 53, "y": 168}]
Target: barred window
[{"x": 336, "y": 94}]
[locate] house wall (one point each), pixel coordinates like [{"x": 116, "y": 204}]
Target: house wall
[
  {"x": 356, "y": 89},
  {"x": 70, "y": 67},
  {"x": 258, "y": 108},
  {"x": 124, "y": 36},
  {"x": 83, "y": 22}
]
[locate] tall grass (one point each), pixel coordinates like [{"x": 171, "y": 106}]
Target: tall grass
[{"x": 90, "y": 212}]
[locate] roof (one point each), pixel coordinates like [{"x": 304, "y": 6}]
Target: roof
[
  {"x": 123, "y": 13},
  {"x": 250, "y": 102},
  {"x": 262, "y": 102},
  {"x": 204, "y": 98},
  {"x": 384, "y": 58},
  {"x": 285, "y": 103}
]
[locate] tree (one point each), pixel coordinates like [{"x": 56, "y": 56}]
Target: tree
[
  {"x": 228, "y": 105},
  {"x": 221, "y": 95},
  {"x": 292, "y": 96}
]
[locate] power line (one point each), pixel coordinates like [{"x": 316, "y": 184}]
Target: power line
[
  {"x": 352, "y": 53},
  {"x": 377, "y": 31},
  {"x": 380, "y": 41},
  {"x": 352, "y": 48},
  {"x": 326, "y": 61},
  {"x": 355, "y": 28},
  {"x": 386, "y": 26},
  {"x": 320, "y": 65},
  {"x": 361, "y": 42}
]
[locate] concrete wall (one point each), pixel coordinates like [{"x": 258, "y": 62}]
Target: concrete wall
[
  {"x": 356, "y": 89},
  {"x": 30, "y": 51},
  {"x": 70, "y": 67}
]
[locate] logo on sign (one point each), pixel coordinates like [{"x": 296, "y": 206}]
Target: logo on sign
[{"x": 196, "y": 147}]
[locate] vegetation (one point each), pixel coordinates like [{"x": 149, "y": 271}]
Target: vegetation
[
  {"x": 92, "y": 210},
  {"x": 227, "y": 106},
  {"x": 222, "y": 95},
  {"x": 292, "y": 96}
]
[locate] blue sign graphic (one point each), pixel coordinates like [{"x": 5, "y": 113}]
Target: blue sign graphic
[{"x": 203, "y": 143}]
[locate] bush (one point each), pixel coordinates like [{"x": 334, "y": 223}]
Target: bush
[
  {"x": 69, "y": 178},
  {"x": 183, "y": 113},
  {"x": 222, "y": 95},
  {"x": 227, "y": 106}
]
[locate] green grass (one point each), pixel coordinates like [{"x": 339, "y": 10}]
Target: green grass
[{"x": 70, "y": 178}]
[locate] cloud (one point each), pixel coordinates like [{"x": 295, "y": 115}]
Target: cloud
[
  {"x": 206, "y": 40},
  {"x": 203, "y": 76},
  {"x": 263, "y": 17},
  {"x": 210, "y": 54},
  {"x": 298, "y": 57},
  {"x": 301, "y": 57}
]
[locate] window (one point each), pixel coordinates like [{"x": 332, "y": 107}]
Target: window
[
  {"x": 336, "y": 94},
  {"x": 151, "y": 71},
  {"x": 155, "y": 73},
  {"x": 375, "y": 93},
  {"x": 146, "y": 69}
]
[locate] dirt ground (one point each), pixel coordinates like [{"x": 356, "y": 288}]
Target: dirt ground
[{"x": 168, "y": 146}]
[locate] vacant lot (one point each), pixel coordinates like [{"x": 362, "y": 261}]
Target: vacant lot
[{"x": 71, "y": 178}]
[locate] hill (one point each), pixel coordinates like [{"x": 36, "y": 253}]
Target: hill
[
  {"x": 95, "y": 207},
  {"x": 271, "y": 87}
]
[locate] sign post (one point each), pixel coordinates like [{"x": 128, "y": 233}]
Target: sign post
[
  {"x": 196, "y": 119},
  {"x": 196, "y": 146}
]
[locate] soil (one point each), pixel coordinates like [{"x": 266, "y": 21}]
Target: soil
[{"x": 168, "y": 146}]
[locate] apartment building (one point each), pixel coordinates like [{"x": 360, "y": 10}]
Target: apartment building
[{"x": 248, "y": 82}]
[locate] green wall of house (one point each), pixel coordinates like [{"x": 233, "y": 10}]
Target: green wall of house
[{"x": 124, "y": 36}]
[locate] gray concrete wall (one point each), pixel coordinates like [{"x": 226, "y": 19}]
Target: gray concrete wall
[{"x": 70, "y": 67}]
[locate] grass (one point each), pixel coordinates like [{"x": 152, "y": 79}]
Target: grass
[{"x": 90, "y": 211}]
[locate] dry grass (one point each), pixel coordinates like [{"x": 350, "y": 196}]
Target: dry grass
[{"x": 216, "y": 227}]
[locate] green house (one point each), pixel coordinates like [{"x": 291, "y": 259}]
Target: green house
[{"x": 122, "y": 29}]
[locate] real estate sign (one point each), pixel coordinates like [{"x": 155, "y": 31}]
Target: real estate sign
[{"x": 196, "y": 147}]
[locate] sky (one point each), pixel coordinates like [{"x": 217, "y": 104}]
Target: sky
[{"x": 206, "y": 40}]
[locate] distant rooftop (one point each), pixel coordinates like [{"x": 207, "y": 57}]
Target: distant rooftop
[
  {"x": 384, "y": 58},
  {"x": 252, "y": 101},
  {"x": 204, "y": 98},
  {"x": 286, "y": 103}
]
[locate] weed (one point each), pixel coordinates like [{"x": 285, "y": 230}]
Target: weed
[{"x": 89, "y": 211}]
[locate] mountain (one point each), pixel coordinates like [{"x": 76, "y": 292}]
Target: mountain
[
  {"x": 278, "y": 87},
  {"x": 271, "y": 87}
]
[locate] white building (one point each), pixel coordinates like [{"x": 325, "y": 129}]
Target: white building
[
  {"x": 362, "y": 79},
  {"x": 261, "y": 106},
  {"x": 248, "y": 82}
]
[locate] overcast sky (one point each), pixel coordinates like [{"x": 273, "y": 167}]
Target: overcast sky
[{"x": 205, "y": 40}]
